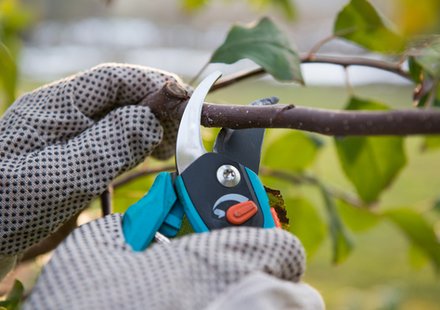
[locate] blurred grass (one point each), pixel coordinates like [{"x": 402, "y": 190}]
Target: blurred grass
[{"x": 377, "y": 275}]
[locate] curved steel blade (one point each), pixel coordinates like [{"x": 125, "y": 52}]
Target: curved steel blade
[{"x": 189, "y": 145}]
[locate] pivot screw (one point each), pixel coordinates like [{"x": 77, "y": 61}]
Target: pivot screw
[{"x": 228, "y": 175}]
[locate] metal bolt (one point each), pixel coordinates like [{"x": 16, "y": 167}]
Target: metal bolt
[{"x": 228, "y": 175}]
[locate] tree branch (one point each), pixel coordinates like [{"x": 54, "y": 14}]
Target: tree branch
[
  {"x": 358, "y": 61},
  {"x": 345, "y": 62},
  {"x": 52, "y": 241},
  {"x": 311, "y": 180},
  {"x": 106, "y": 201},
  {"x": 327, "y": 122},
  {"x": 139, "y": 173},
  {"x": 170, "y": 102}
]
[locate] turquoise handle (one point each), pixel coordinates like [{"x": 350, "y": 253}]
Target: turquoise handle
[
  {"x": 262, "y": 199},
  {"x": 173, "y": 222},
  {"x": 143, "y": 219},
  {"x": 190, "y": 211}
]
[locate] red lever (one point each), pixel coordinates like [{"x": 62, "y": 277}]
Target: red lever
[{"x": 241, "y": 212}]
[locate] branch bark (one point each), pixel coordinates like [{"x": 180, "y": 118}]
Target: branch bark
[
  {"x": 327, "y": 122},
  {"x": 170, "y": 103}
]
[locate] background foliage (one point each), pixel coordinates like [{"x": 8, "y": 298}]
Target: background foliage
[{"x": 337, "y": 190}]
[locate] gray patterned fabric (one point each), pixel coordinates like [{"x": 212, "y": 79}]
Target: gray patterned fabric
[
  {"x": 62, "y": 144},
  {"x": 95, "y": 269}
]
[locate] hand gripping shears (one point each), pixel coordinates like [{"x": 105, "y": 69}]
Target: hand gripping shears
[{"x": 212, "y": 189}]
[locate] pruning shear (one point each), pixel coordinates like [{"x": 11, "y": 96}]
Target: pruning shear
[{"x": 212, "y": 189}]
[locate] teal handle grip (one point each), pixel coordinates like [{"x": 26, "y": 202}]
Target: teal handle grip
[
  {"x": 262, "y": 199},
  {"x": 173, "y": 221},
  {"x": 190, "y": 211},
  {"x": 143, "y": 219}
]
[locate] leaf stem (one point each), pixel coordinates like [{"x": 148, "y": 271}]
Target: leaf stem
[
  {"x": 311, "y": 180},
  {"x": 315, "y": 48}
]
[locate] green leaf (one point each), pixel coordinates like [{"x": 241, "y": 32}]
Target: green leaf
[
  {"x": 424, "y": 69},
  {"x": 415, "y": 70},
  {"x": 194, "y": 4},
  {"x": 417, "y": 258},
  {"x": 13, "y": 300},
  {"x": 418, "y": 231},
  {"x": 276, "y": 201},
  {"x": 306, "y": 223},
  {"x": 285, "y": 6},
  {"x": 370, "y": 163},
  {"x": 426, "y": 52},
  {"x": 436, "y": 206},
  {"x": 292, "y": 151},
  {"x": 431, "y": 143},
  {"x": 342, "y": 242},
  {"x": 356, "y": 218},
  {"x": 264, "y": 44},
  {"x": 360, "y": 23},
  {"x": 8, "y": 74}
]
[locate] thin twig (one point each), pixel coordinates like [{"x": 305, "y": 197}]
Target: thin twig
[
  {"x": 194, "y": 79},
  {"x": 52, "y": 241},
  {"x": 106, "y": 201},
  {"x": 348, "y": 85},
  {"x": 139, "y": 173},
  {"x": 432, "y": 94},
  {"x": 237, "y": 77},
  {"x": 311, "y": 180},
  {"x": 345, "y": 62},
  {"x": 359, "y": 61},
  {"x": 315, "y": 48}
]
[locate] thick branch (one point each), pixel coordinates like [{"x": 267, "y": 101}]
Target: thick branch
[
  {"x": 169, "y": 103},
  {"x": 327, "y": 122}
]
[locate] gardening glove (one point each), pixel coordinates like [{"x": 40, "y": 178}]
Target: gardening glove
[
  {"x": 62, "y": 144},
  {"x": 230, "y": 268}
]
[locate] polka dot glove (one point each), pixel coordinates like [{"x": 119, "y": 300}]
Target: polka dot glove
[
  {"x": 95, "y": 269},
  {"x": 62, "y": 144}
]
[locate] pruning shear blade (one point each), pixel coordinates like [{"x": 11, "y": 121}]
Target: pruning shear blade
[{"x": 189, "y": 145}]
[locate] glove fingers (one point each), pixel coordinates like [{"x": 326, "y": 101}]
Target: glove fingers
[
  {"x": 188, "y": 273},
  {"x": 167, "y": 147},
  {"x": 60, "y": 111},
  {"x": 45, "y": 188},
  {"x": 239, "y": 250}
]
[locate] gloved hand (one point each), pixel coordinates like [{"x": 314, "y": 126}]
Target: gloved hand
[
  {"x": 231, "y": 268},
  {"x": 62, "y": 144}
]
